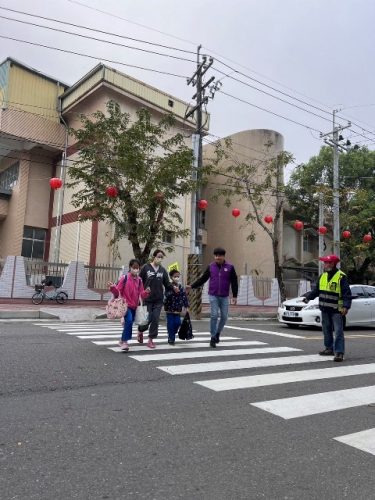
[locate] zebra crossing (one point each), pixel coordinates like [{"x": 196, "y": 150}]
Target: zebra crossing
[{"x": 184, "y": 358}]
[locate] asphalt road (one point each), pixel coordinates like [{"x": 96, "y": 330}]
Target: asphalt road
[{"x": 81, "y": 421}]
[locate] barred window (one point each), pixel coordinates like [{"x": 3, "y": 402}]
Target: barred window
[
  {"x": 168, "y": 237},
  {"x": 9, "y": 177},
  {"x": 33, "y": 242}
]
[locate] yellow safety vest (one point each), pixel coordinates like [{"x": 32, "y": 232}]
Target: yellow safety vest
[{"x": 330, "y": 291}]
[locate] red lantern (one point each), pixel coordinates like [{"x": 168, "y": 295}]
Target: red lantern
[
  {"x": 322, "y": 230},
  {"x": 268, "y": 219},
  {"x": 202, "y": 204},
  {"x": 235, "y": 212},
  {"x": 346, "y": 234},
  {"x": 367, "y": 238},
  {"x": 298, "y": 225},
  {"x": 55, "y": 183},
  {"x": 111, "y": 191}
]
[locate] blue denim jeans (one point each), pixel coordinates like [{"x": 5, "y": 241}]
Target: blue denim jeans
[
  {"x": 173, "y": 324},
  {"x": 218, "y": 304},
  {"x": 128, "y": 325},
  {"x": 333, "y": 322}
]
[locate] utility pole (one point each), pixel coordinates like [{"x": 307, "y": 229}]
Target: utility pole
[
  {"x": 333, "y": 141},
  {"x": 194, "y": 259},
  {"x": 321, "y": 236}
]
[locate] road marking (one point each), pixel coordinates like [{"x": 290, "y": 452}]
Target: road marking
[
  {"x": 210, "y": 353},
  {"x": 160, "y": 339},
  {"x": 323, "y": 402},
  {"x": 242, "y": 364},
  {"x": 190, "y": 344},
  {"x": 364, "y": 440},
  {"x": 354, "y": 336},
  {"x": 160, "y": 336},
  {"x": 268, "y": 332},
  {"x": 228, "y": 384}
]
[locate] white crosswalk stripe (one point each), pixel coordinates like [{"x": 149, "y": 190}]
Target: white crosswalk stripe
[
  {"x": 241, "y": 364},
  {"x": 211, "y": 353},
  {"x": 312, "y": 404},
  {"x": 189, "y": 344},
  {"x": 232, "y": 383},
  {"x": 107, "y": 334},
  {"x": 160, "y": 336},
  {"x": 363, "y": 440}
]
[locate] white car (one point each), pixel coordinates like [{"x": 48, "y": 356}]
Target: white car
[{"x": 295, "y": 312}]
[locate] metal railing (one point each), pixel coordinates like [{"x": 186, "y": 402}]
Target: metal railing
[
  {"x": 36, "y": 270},
  {"x": 98, "y": 276}
]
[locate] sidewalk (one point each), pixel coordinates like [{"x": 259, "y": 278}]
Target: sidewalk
[{"x": 87, "y": 310}]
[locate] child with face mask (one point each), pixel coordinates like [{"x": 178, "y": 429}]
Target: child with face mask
[
  {"x": 130, "y": 287},
  {"x": 173, "y": 304}
]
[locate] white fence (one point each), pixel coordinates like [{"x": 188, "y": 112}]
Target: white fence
[{"x": 252, "y": 291}]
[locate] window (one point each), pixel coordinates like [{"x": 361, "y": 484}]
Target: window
[
  {"x": 370, "y": 290},
  {"x": 358, "y": 291},
  {"x": 33, "y": 242},
  {"x": 168, "y": 237},
  {"x": 309, "y": 244},
  {"x": 170, "y": 103},
  {"x": 9, "y": 177}
]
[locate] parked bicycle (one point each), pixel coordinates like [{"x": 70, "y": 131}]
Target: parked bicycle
[{"x": 41, "y": 294}]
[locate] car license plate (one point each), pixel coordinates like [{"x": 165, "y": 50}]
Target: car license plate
[{"x": 291, "y": 314}]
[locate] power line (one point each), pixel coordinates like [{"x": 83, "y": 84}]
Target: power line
[
  {"x": 269, "y": 111},
  {"x": 275, "y": 97},
  {"x": 221, "y": 62},
  {"x": 87, "y": 37},
  {"x": 96, "y": 30},
  {"x": 93, "y": 57},
  {"x": 131, "y": 22}
]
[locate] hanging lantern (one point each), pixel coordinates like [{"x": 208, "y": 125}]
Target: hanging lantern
[
  {"x": 346, "y": 234},
  {"x": 298, "y": 225},
  {"x": 367, "y": 238},
  {"x": 202, "y": 204},
  {"x": 111, "y": 191},
  {"x": 55, "y": 183},
  {"x": 268, "y": 219},
  {"x": 236, "y": 212},
  {"x": 322, "y": 230}
]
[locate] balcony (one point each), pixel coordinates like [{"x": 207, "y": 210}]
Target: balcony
[{"x": 32, "y": 127}]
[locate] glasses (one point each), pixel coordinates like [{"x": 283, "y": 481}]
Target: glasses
[{"x": 160, "y": 256}]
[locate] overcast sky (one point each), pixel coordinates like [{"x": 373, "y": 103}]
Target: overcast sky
[{"x": 318, "y": 51}]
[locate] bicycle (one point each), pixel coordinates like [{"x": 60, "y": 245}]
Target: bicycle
[{"x": 40, "y": 294}]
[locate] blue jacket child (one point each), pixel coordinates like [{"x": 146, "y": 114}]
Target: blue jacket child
[{"x": 174, "y": 302}]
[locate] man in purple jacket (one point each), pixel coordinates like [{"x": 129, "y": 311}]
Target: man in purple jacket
[{"x": 222, "y": 276}]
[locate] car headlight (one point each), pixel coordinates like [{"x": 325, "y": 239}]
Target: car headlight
[{"x": 313, "y": 306}]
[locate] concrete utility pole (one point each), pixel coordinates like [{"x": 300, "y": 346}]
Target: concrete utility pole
[
  {"x": 194, "y": 259},
  {"x": 333, "y": 142},
  {"x": 321, "y": 236}
]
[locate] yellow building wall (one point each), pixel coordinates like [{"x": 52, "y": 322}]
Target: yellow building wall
[{"x": 33, "y": 93}]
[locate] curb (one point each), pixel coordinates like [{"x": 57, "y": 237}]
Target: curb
[{"x": 91, "y": 316}]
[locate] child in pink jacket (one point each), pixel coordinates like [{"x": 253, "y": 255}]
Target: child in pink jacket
[{"x": 130, "y": 287}]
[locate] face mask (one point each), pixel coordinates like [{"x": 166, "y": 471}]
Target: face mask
[
  {"x": 134, "y": 272},
  {"x": 176, "y": 280}
]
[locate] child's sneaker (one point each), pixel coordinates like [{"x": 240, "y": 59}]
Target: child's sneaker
[
  {"x": 151, "y": 344},
  {"x": 124, "y": 346}
]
